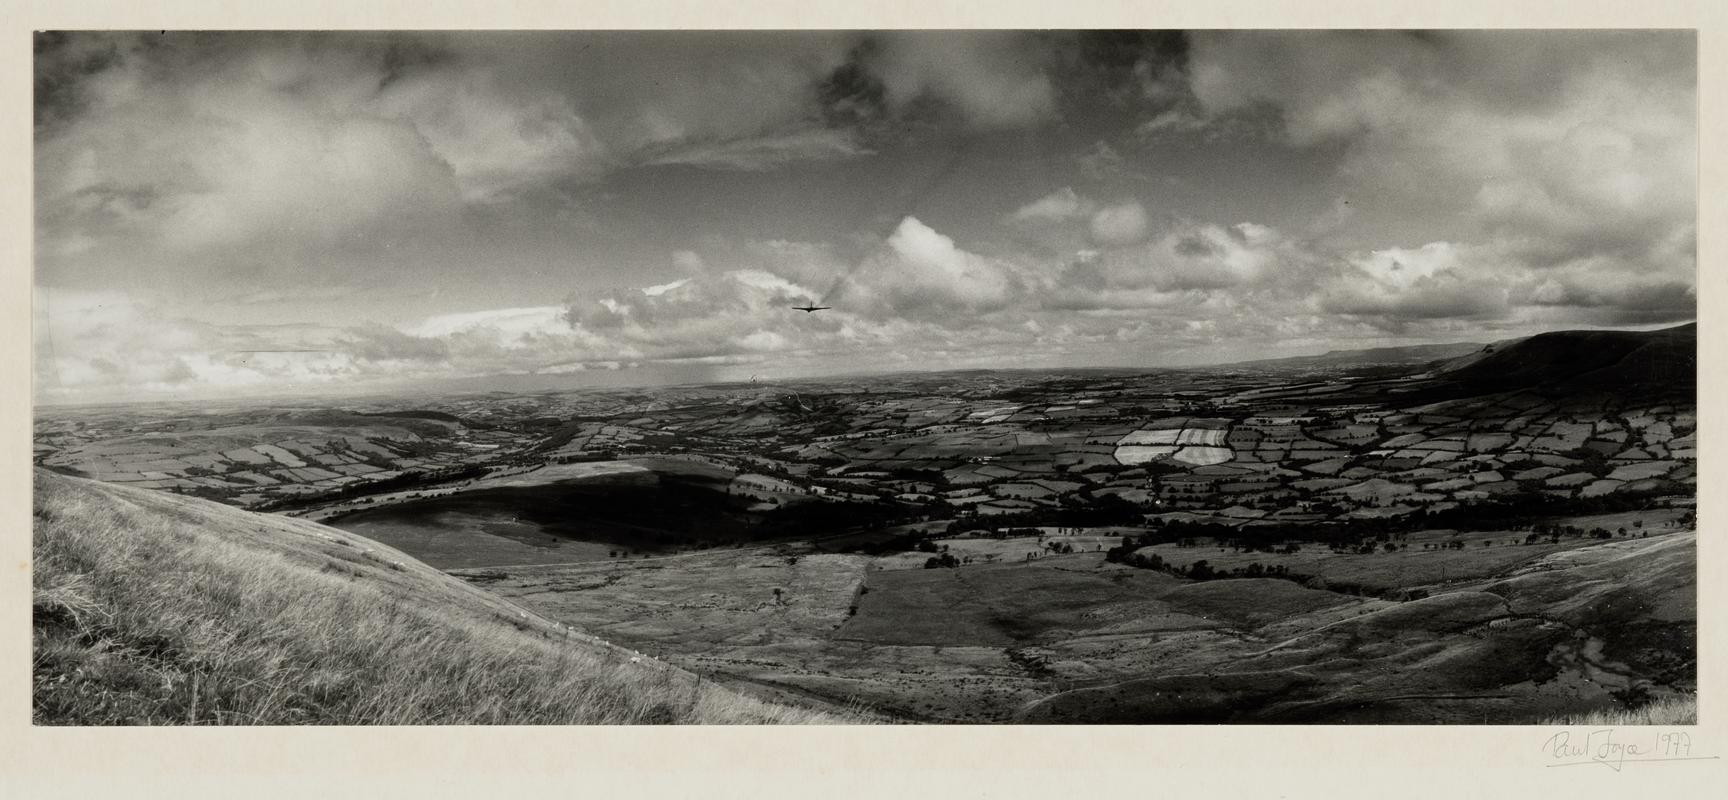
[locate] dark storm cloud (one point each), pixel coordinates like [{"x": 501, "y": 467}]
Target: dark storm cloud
[
  {"x": 1672, "y": 298},
  {"x": 852, "y": 95},
  {"x": 62, "y": 61},
  {"x": 982, "y": 79},
  {"x": 1128, "y": 67},
  {"x": 1441, "y": 299},
  {"x": 1132, "y": 51}
]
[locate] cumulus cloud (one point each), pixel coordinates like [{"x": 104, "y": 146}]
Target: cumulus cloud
[
  {"x": 1398, "y": 287},
  {"x": 1173, "y": 120},
  {"x": 313, "y": 153},
  {"x": 378, "y": 343},
  {"x": 112, "y": 345},
  {"x": 922, "y": 272},
  {"x": 496, "y": 141},
  {"x": 1395, "y": 287},
  {"x": 1186, "y": 259},
  {"x": 202, "y": 141},
  {"x": 1445, "y": 295},
  {"x": 1573, "y": 145},
  {"x": 1609, "y": 296},
  {"x": 994, "y": 78},
  {"x": 1123, "y": 223},
  {"x": 233, "y": 147},
  {"x": 714, "y": 314},
  {"x": 506, "y": 323},
  {"x": 809, "y": 264},
  {"x": 1101, "y": 161},
  {"x": 1114, "y": 225},
  {"x": 1401, "y": 267},
  {"x": 689, "y": 262},
  {"x": 455, "y": 181},
  {"x": 97, "y": 343},
  {"x": 1060, "y": 205},
  {"x": 1672, "y": 298}
]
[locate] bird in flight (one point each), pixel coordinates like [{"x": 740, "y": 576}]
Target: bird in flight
[{"x": 810, "y": 308}]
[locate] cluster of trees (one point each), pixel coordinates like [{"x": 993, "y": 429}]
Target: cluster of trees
[
  {"x": 898, "y": 543},
  {"x": 800, "y": 519},
  {"x": 1076, "y": 512},
  {"x": 1357, "y": 537},
  {"x": 1590, "y": 460},
  {"x": 572, "y": 458},
  {"x": 1520, "y": 511},
  {"x": 412, "y": 448},
  {"x": 1198, "y": 571},
  {"x": 1202, "y": 570},
  {"x": 1531, "y": 513},
  {"x": 407, "y": 480},
  {"x": 1006, "y": 533}
]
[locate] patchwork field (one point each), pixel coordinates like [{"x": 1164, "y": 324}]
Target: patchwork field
[
  {"x": 1505, "y": 535},
  {"x": 1382, "y": 570},
  {"x": 1070, "y": 637}
]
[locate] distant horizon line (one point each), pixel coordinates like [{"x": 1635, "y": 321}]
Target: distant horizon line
[{"x": 313, "y": 395}]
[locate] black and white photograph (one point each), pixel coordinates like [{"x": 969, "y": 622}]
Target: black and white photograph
[{"x": 865, "y": 377}]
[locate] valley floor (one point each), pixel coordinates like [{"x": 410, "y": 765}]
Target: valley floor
[{"x": 1517, "y": 636}]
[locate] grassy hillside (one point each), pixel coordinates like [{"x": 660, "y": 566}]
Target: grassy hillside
[
  {"x": 1408, "y": 354},
  {"x": 1664, "y": 358},
  {"x": 1677, "y": 710},
  {"x": 158, "y": 609},
  {"x": 1602, "y": 632}
]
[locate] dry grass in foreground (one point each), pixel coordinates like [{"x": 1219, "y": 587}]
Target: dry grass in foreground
[
  {"x": 157, "y": 609},
  {"x": 1674, "y": 710}
]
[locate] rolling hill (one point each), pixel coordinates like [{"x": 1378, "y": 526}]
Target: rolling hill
[
  {"x": 1527, "y": 646},
  {"x": 1372, "y": 356},
  {"x": 152, "y": 608},
  {"x": 1665, "y": 359}
]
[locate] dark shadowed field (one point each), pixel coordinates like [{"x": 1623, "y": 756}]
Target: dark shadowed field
[{"x": 611, "y": 515}]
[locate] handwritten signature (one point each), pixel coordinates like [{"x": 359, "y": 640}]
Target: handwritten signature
[{"x": 1615, "y": 749}]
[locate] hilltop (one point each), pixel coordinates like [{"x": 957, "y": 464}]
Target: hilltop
[
  {"x": 160, "y": 609},
  {"x": 1371, "y": 356},
  {"x": 1583, "y": 359}
]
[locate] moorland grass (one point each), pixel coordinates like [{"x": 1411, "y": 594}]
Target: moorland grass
[
  {"x": 1671, "y": 710},
  {"x": 157, "y": 609}
]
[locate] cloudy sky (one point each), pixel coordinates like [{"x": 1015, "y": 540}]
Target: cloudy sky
[{"x": 222, "y": 214}]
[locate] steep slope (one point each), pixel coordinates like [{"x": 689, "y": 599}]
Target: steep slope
[
  {"x": 1576, "y": 632},
  {"x": 1372, "y": 356},
  {"x": 159, "y": 609},
  {"x": 1665, "y": 359}
]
